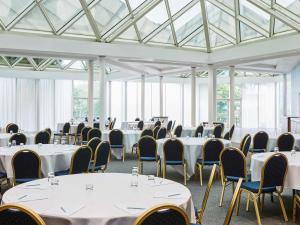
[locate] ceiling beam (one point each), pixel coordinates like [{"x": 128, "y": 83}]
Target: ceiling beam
[{"x": 205, "y": 25}]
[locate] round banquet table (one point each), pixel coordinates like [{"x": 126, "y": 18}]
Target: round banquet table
[
  {"x": 273, "y": 141},
  {"x": 4, "y": 138},
  {"x": 292, "y": 180},
  {"x": 190, "y": 131},
  {"x": 192, "y": 151},
  {"x": 130, "y": 125},
  {"x": 110, "y": 202},
  {"x": 53, "y": 157}
]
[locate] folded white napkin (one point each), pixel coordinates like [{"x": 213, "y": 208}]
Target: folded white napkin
[
  {"x": 66, "y": 210},
  {"x": 28, "y": 197},
  {"x": 131, "y": 208},
  {"x": 158, "y": 182},
  {"x": 38, "y": 186},
  {"x": 169, "y": 195}
]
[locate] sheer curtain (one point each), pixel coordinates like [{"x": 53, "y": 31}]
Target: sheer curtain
[
  {"x": 250, "y": 106},
  {"x": 63, "y": 101},
  {"x": 46, "y": 102},
  {"x": 172, "y": 102},
  {"x": 7, "y": 101},
  {"x": 267, "y": 105},
  {"x": 203, "y": 103},
  {"x": 116, "y": 101},
  {"x": 26, "y": 104}
]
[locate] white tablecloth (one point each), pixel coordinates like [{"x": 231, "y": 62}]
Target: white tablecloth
[
  {"x": 126, "y": 125},
  {"x": 73, "y": 127},
  {"x": 106, "y": 204},
  {"x": 192, "y": 150},
  {"x": 53, "y": 157},
  {"x": 4, "y": 138},
  {"x": 190, "y": 131},
  {"x": 292, "y": 178},
  {"x": 273, "y": 141}
]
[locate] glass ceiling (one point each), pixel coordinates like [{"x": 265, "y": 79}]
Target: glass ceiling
[{"x": 205, "y": 25}]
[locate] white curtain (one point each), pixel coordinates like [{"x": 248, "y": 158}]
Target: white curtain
[
  {"x": 7, "y": 101},
  {"x": 203, "y": 103},
  {"x": 267, "y": 105},
  {"x": 63, "y": 101},
  {"x": 172, "y": 99},
  {"x": 187, "y": 104},
  {"x": 250, "y": 106},
  {"x": 46, "y": 102},
  {"x": 26, "y": 104}
]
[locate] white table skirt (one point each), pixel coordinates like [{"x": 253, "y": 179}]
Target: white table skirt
[
  {"x": 292, "y": 180},
  {"x": 192, "y": 151},
  {"x": 53, "y": 157},
  {"x": 190, "y": 131},
  {"x": 100, "y": 206},
  {"x": 273, "y": 141},
  {"x": 4, "y": 138}
]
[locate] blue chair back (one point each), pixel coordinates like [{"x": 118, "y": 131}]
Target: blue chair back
[
  {"x": 212, "y": 149},
  {"x": 84, "y": 133},
  {"x": 95, "y": 132},
  {"x": 147, "y": 147},
  {"x": 116, "y": 137},
  {"x": 173, "y": 150},
  {"x": 285, "y": 142},
  {"x": 169, "y": 126},
  {"x": 12, "y": 127},
  {"x": 155, "y": 131},
  {"x": 93, "y": 144},
  {"x": 81, "y": 160},
  {"x": 19, "y": 138},
  {"x": 66, "y": 128},
  {"x": 79, "y": 128},
  {"x": 178, "y": 131},
  {"x": 218, "y": 131},
  {"x": 162, "y": 133},
  {"x": 245, "y": 144},
  {"x": 260, "y": 140},
  {"x": 140, "y": 125},
  {"x": 42, "y": 137},
  {"x": 102, "y": 154},
  {"x": 147, "y": 132},
  {"x": 199, "y": 130}
]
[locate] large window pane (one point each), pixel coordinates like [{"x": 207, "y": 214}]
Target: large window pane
[{"x": 172, "y": 102}]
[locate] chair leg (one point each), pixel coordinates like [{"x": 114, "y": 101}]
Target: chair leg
[
  {"x": 233, "y": 187},
  {"x": 238, "y": 202},
  {"x": 282, "y": 207},
  {"x": 256, "y": 209},
  {"x": 248, "y": 201},
  {"x": 139, "y": 166},
  {"x": 184, "y": 171},
  {"x": 142, "y": 167},
  {"x": 222, "y": 193},
  {"x": 294, "y": 209},
  {"x": 158, "y": 168},
  {"x": 123, "y": 154},
  {"x": 164, "y": 170},
  {"x": 262, "y": 202},
  {"x": 200, "y": 173}
]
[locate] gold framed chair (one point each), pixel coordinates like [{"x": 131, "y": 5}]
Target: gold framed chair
[
  {"x": 116, "y": 137},
  {"x": 296, "y": 204},
  {"x": 178, "y": 131},
  {"x": 145, "y": 132},
  {"x": 84, "y": 135},
  {"x": 12, "y": 127},
  {"x": 19, "y": 138},
  {"x": 245, "y": 144},
  {"x": 42, "y": 137},
  {"x": 260, "y": 142},
  {"x": 101, "y": 157},
  {"x": 15, "y": 214},
  {"x": 285, "y": 142}
]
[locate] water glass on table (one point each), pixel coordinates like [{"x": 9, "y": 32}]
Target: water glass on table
[{"x": 134, "y": 177}]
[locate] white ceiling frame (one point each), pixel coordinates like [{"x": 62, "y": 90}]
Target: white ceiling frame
[
  {"x": 272, "y": 20},
  {"x": 171, "y": 22},
  {"x": 43, "y": 11},
  {"x": 2, "y": 26},
  {"x": 6, "y": 61},
  {"x": 205, "y": 25},
  {"x": 32, "y": 62},
  {"x": 222, "y": 33},
  {"x": 237, "y": 22},
  {"x": 45, "y": 64},
  {"x": 135, "y": 26},
  {"x": 67, "y": 66},
  {"x": 191, "y": 35},
  {"x": 286, "y": 12},
  {"x": 17, "y": 61},
  {"x": 124, "y": 66}
]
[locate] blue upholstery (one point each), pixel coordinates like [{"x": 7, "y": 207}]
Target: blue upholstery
[
  {"x": 62, "y": 173},
  {"x": 24, "y": 180},
  {"x": 195, "y": 224},
  {"x": 174, "y": 162},
  {"x": 254, "y": 187},
  {"x": 258, "y": 150},
  {"x": 149, "y": 159},
  {"x": 3, "y": 175},
  {"x": 116, "y": 146},
  {"x": 99, "y": 167},
  {"x": 298, "y": 192},
  {"x": 232, "y": 178},
  {"x": 208, "y": 163}
]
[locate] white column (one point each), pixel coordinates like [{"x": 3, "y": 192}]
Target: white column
[
  {"x": 161, "y": 97},
  {"x": 275, "y": 104},
  {"x": 37, "y": 109},
  {"x": 182, "y": 104},
  {"x": 102, "y": 97},
  {"x": 231, "y": 96},
  {"x": 193, "y": 97},
  {"x": 90, "y": 92},
  {"x": 143, "y": 97},
  {"x": 212, "y": 87},
  {"x": 125, "y": 100},
  {"x": 284, "y": 95},
  {"x": 109, "y": 98}
]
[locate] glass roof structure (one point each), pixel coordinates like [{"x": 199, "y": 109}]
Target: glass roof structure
[{"x": 203, "y": 25}]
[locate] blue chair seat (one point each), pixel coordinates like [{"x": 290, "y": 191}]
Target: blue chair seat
[
  {"x": 207, "y": 163},
  {"x": 24, "y": 180},
  {"x": 99, "y": 167},
  {"x": 62, "y": 173},
  {"x": 298, "y": 192},
  {"x": 236, "y": 179},
  {"x": 3, "y": 175},
  {"x": 258, "y": 150},
  {"x": 149, "y": 159},
  {"x": 116, "y": 146},
  {"x": 254, "y": 187},
  {"x": 174, "y": 162}
]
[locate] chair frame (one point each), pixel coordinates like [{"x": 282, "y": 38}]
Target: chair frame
[
  {"x": 16, "y": 134},
  {"x": 36, "y": 217},
  {"x": 252, "y": 149},
  {"x": 255, "y": 197},
  {"x": 42, "y": 131},
  {"x": 296, "y": 204},
  {"x": 283, "y": 135},
  {"x": 73, "y": 156},
  {"x": 95, "y": 157},
  {"x": 184, "y": 163},
  {"x": 123, "y": 146},
  {"x": 242, "y": 144}
]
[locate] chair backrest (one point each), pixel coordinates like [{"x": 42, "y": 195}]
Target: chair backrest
[
  {"x": 116, "y": 137},
  {"x": 206, "y": 195},
  {"x": 260, "y": 140},
  {"x": 169, "y": 126},
  {"x": 81, "y": 159},
  {"x": 233, "y": 202},
  {"x": 285, "y": 142},
  {"x": 163, "y": 215},
  {"x": 84, "y": 133},
  {"x": 94, "y": 132},
  {"x": 199, "y": 130},
  {"x": 66, "y": 128},
  {"x": 274, "y": 171},
  {"x": 19, "y": 138},
  {"x": 245, "y": 144},
  {"x": 14, "y": 214},
  {"x": 137, "y": 119},
  {"x": 173, "y": 150},
  {"x": 12, "y": 127},
  {"x": 147, "y": 132},
  {"x": 233, "y": 163},
  {"x": 96, "y": 125},
  {"x": 155, "y": 131},
  {"x": 79, "y": 128},
  {"x": 49, "y": 131},
  {"x": 140, "y": 125},
  {"x": 157, "y": 123},
  {"x": 42, "y": 137},
  {"x": 147, "y": 147},
  {"x": 218, "y": 131},
  {"x": 212, "y": 149},
  {"x": 162, "y": 133},
  {"x": 93, "y": 144},
  {"x": 102, "y": 154},
  {"x": 227, "y": 136},
  {"x": 26, "y": 164},
  {"x": 231, "y": 131},
  {"x": 173, "y": 125},
  {"x": 178, "y": 131}
]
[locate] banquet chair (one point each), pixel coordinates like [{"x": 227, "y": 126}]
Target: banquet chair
[
  {"x": 64, "y": 133},
  {"x": 12, "y": 127},
  {"x": 42, "y": 137},
  {"x": 210, "y": 155},
  {"x": 77, "y": 134},
  {"x": 19, "y": 138},
  {"x": 173, "y": 125},
  {"x": 96, "y": 125},
  {"x": 15, "y": 214},
  {"x": 140, "y": 125},
  {"x": 233, "y": 167},
  {"x": 260, "y": 142},
  {"x": 49, "y": 131},
  {"x": 112, "y": 124},
  {"x": 296, "y": 204},
  {"x": 285, "y": 142},
  {"x": 245, "y": 144},
  {"x": 164, "y": 214},
  {"x": 272, "y": 179},
  {"x": 101, "y": 157},
  {"x": 229, "y": 134},
  {"x": 137, "y": 119},
  {"x": 162, "y": 133},
  {"x": 169, "y": 127},
  {"x": 147, "y": 152},
  {"x": 145, "y": 132},
  {"x": 155, "y": 131},
  {"x": 80, "y": 162},
  {"x": 93, "y": 144},
  {"x": 116, "y": 141},
  {"x": 199, "y": 130},
  {"x": 174, "y": 155},
  {"x": 217, "y": 132},
  {"x": 178, "y": 131},
  {"x": 94, "y": 132},
  {"x": 26, "y": 165},
  {"x": 157, "y": 123},
  {"x": 84, "y": 135}
]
